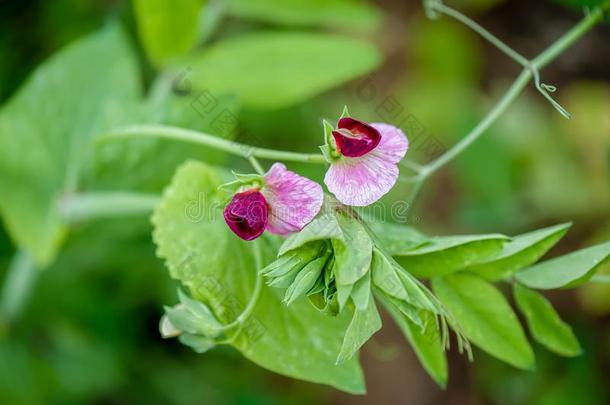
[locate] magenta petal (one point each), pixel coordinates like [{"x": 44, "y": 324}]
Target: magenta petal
[
  {"x": 355, "y": 138},
  {"x": 247, "y": 214},
  {"x": 362, "y": 181},
  {"x": 293, "y": 200}
]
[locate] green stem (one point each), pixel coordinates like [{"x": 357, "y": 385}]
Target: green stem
[
  {"x": 568, "y": 39},
  {"x": 187, "y": 135},
  {"x": 256, "y": 165},
  {"x": 98, "y": 205},
  {"x": 20, "y": 278},
  {"x": 515, "y": 89},
  {"x": 258, "y": 286}
]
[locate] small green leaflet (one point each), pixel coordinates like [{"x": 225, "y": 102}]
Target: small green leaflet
[
  {"x": 324, "y": 226},
  {"x": 427, "y": 342},
  {"x": 305, "y": 280},
  {"x": 485, "y": 317},
  {"x": 448, "y": 254},
  {"x": 565, "y": 271},
  {"x": 219, "y": 269},
  {"x": 521, "y": 251},
  {"x": 353, "y": 254},
  {"x": 365, "y": 322},
  {"x": 544, "y": 323},
  {"x": 385, "y": 276},
  {"x": 396, "y": 238},
  {"x": 278, "y": 69}
]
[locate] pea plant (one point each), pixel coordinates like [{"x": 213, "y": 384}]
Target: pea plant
[{"x": 289, "y": 272}]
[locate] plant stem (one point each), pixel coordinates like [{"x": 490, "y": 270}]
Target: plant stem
[
  {"x": 256, "y": 165},
  {"x": 98, "y": 205},
  {"x": 20, "y": 278},
  {"x": 258, "y": 286},
  {"x": 568, "y": 39},
  {"x": 530, "y": 70},
  {"x": 187, "y": 135}
]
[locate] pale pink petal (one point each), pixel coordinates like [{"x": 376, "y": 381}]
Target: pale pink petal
[
  {"x": 363, "y": 180},
  {"x": 393, "y": 145},
  {"x": 293, "y": 200}
]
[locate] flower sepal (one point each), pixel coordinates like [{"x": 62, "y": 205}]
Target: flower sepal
[
  {"x": 329, "y": 149},
  {"x": 243, "y": 182}
]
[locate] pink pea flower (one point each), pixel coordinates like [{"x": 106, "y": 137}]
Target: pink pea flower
[
  {"x": 285, "y": 203},
  {"x": 367, "y": 164}
]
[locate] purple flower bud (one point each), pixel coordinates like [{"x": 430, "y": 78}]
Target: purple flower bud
[{"x": 247, "y": 214}]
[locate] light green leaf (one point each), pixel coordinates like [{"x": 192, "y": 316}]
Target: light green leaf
[
  {"x": 219, "y": 268},
  {"x": 346, "y": 14},
  {"x": 544, "y": 322},
  {"x": 385, "y": 276},
  {"x": 364, "y": 324},
  {"x": 167, "y": 29},
  {"x": 46, "y": 127},
  {"x": 396, "y": 238},
  {"x": 200, "y": 344},
  {"x": 277, "y": 69},
  {"x": 324, "y": 226},
  {"x": 521, "y": 251},
  {"x": 448, "y": 254},
  {"x": 185, "y": 320},
  {"x": 485, "y": 317},
  {"x": 305, "y": 280},
  {"x": 353, "y": 255},
  {"x": 565, "y": 271},
  {"x": 361, "y": 293},
  {"x": 283, "y": 272},
  {"x": 427, "y": 342}
]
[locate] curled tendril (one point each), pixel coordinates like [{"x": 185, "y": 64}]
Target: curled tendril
[
  {"x": 431, "y": 8},
  {"x": 546, "y": 89}
]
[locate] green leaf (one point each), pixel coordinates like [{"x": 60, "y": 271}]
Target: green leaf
[
  {"x": 361, "y": 293},
  {"x": 364, "y": 324},
  {"x": 200, "y": 344},
  {"x": 167, "y": 29},
  {"x": 324, "y": 226},
  {"x": 544, "y": 322},
  {"x": 46, "y": 127},
  {"x": 427, "y": 342},
  {"x": 396, "y": 238},
  {"x": 485, "y": 318},
  {"x": 521, "y": 251},
  {"x": 346, "y": 14},
  {"x": 219, "y": 268},
  {"x": 185, "y": 320},
  {"x": 385, "y": 276},
  {"x": 565, "y": 271},
  {"x": 305, "y": 280},
  {"x": 353, "y": 255},
  {"x": 277, "y": 69},
  {"x": 448, "y": 254}
]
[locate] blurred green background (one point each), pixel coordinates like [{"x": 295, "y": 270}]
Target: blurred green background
[{"x": 87, "y": 329}]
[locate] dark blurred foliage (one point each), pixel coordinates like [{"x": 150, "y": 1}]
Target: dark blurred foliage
[{"x": 88, "y": 333}]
